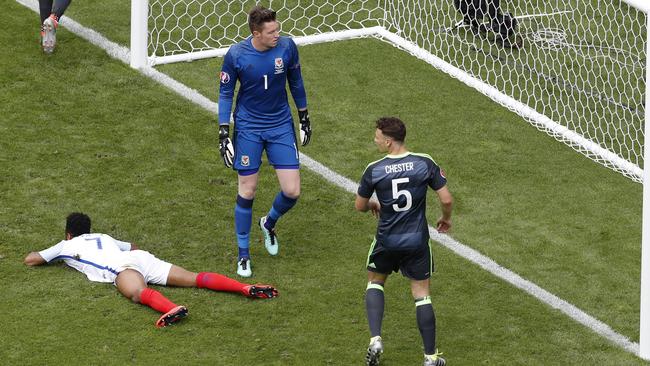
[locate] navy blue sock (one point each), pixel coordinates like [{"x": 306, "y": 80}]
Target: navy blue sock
[
  {"x": 59, "y": 7},
  {"x": 281, "y": 204},
  {"x": 243, "y": 220},
  {"x": 426, "y": 323},
  {"x": 45, "y": 9},
  {"x": 375, "y": 307},
  {"x": 243, "y": 252}
]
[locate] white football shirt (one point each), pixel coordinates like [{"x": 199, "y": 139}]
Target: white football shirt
[{"x": 98, "y": 256}]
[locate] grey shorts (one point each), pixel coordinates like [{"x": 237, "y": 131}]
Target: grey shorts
[{"x": 416, "y": 264}]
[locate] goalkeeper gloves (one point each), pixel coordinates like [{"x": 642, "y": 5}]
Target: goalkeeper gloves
[
  {"x": 225, "y": 146},
  {"x": 305, "y": 127}
]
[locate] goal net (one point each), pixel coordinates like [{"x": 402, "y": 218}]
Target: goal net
[
  {"x": 574, "y": 69},
  {"x": 190, "y": 29}
]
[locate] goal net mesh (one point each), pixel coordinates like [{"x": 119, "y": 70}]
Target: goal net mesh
[
  {"x": 579, "y": 63},
  {"x": 184, "y": 26}
]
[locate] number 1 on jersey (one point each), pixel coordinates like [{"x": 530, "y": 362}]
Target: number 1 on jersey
[{"x": 266, "y": 82}]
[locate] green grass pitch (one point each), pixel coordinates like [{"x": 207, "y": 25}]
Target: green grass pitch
[{"x": 81, "y": 131}]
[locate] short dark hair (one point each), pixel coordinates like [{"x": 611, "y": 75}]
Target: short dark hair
[
  {"x": 258, "y": 16},
  {"x": 77, "y": 223},
  {"x": 392, "y": 127}
]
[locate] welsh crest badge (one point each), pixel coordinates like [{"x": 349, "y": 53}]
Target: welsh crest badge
[{"x": 279, "y": 65}]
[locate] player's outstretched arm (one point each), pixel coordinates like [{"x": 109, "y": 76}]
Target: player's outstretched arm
[{"x": 34, "y": 259}]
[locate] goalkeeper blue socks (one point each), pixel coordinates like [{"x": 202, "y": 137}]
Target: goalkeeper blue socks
[
  {"x": 426, "y": 323},
  {"x": 243, "y": 220},
  {"x": 281, "y": 205}
]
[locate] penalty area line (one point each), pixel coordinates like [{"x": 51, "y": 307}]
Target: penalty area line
[{"x": 122, "y": 54}]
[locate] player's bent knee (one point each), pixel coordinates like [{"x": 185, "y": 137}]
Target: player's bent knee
[
  {"x": 293, "y": 196},
  {"x": 248, "y": 194},
  {"x": 136, "y": 296},
  {"x": 247, "y": 191},
  {"x": 292, "y": 192}
]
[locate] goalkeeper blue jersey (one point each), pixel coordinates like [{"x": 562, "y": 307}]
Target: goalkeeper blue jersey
[
  {"x": 401, "y": 183},
  {"x": 262, "y": 102}
]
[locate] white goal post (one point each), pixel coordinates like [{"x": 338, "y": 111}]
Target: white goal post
[
  {"x": 577, "y": 70},
  {"x": 644, "y": 333}
]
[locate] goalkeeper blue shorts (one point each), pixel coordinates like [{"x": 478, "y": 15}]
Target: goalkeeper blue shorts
[{"x": 279, "y": 144}]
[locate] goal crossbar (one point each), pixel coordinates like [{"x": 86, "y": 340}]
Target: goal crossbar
[{"x": 300, "y": 40}]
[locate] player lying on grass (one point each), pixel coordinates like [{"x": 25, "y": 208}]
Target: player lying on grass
[{"x": 104, "y": 259}]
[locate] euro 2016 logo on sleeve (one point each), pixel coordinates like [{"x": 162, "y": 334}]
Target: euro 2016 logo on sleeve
[
  {"x": 224, "y": 77},
  {"x": 245, "y": 161},
  {"x": 279, "y": 65}
]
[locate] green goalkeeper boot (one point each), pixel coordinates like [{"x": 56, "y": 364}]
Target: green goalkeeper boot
[{"x": 270, "y": 239}]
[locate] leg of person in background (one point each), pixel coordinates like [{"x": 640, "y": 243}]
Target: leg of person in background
[
  {"x": 51, "y": 12},
  {"x": 45, "y": 8},
  {"x": 60, "y": 7}
]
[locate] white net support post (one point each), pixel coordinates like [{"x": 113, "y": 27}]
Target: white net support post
[
  {"x": 644, "y": 328},
  {"x": 139, "y": 33}
]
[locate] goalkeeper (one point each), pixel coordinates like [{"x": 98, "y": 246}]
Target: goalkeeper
[
  {"x": 51, "y": 11},
  {"x": 104, "y": 259},
  {"x": 263, "y": 63}
]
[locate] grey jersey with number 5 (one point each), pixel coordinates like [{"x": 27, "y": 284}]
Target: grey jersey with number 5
[{"x": 401, "y": 183}]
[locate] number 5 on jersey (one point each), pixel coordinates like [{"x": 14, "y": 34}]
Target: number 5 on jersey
[{"x": 397, "y": 193}]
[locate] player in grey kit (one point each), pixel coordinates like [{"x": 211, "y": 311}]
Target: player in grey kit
[
  {"x": 401, "y": 180},
  {"x": 51, "y": 11}
]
